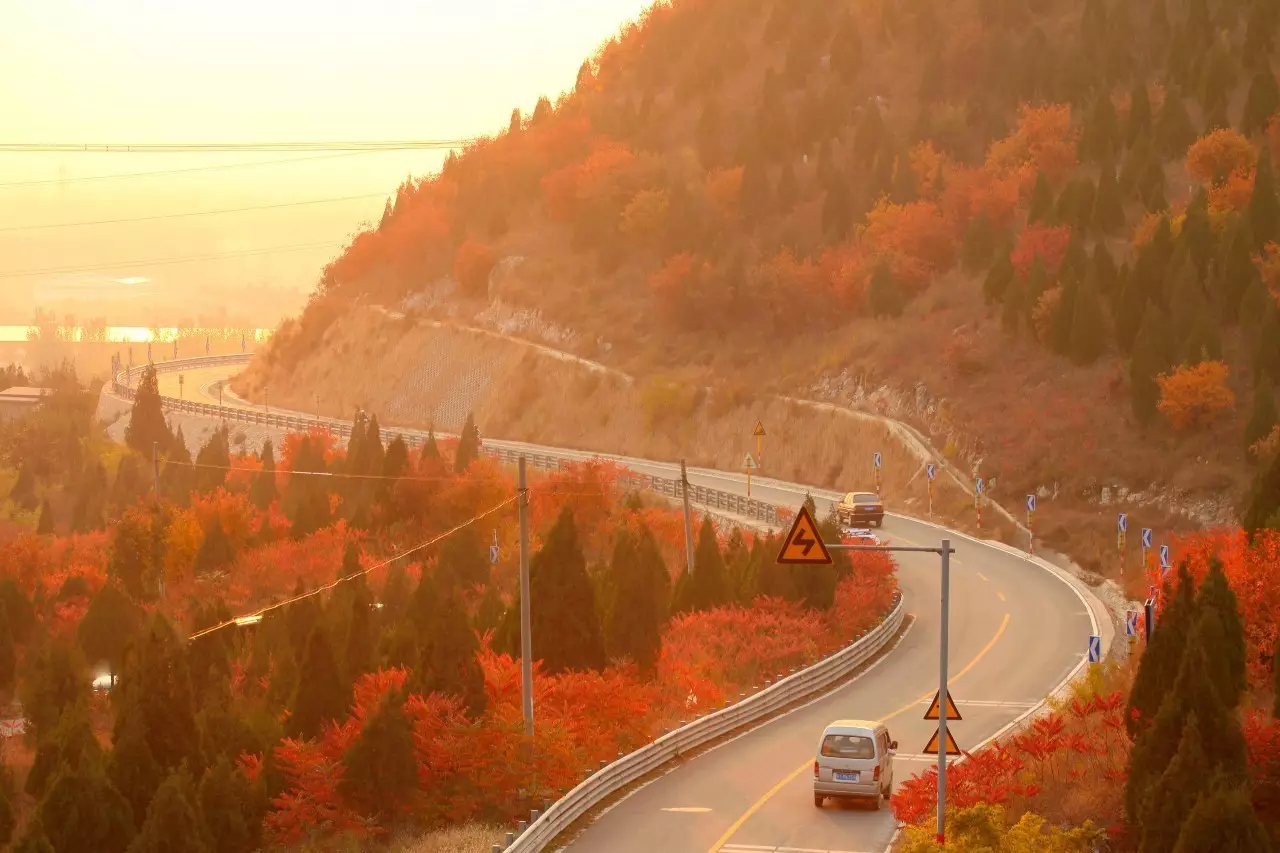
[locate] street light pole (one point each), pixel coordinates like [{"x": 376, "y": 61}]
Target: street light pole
[
  {"x": 526, "y": 638},
  {"x": 942, "y": 692}
]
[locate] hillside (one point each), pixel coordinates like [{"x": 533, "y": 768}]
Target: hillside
[{"x": 1019, "y": 214}]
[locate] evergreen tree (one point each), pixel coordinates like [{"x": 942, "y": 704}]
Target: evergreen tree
[
  {"x": 1223, "y": 821},
  {"x": 34, "y": 841},
  {"x": 263, "y": 493},
  {"x": 1237, "y": 273},
  {"x": 430, "y": 450},
  {"x": 1197, "y": 234},
  {"x": 1158, "y": 667},
  {"x": 1151, "y": 357},
  {"x": 320, "y": 696},
  {"x": 133, "y": 769},
  {"x": 640, "y": 587},
  {"x": 226, "y": 803},
  {"x": 396, "y": 592},
  {"x": 468, "y": 446},
  {"x": 8, "y": 818},
  {"x": 214, "y": 459},
  {"x": 381, "y": 773},
  {"x": 1263, "y": 418},
  {"x": 82, "y": 811},
  {"x": 979, "y": 241},
  {"x": 1264, "y": 500},
  {"x": 70, "y": 746},
  {"x": 1041, "y": 199},
  {"x": 1101, "y": 131},
  {"x": 8, "y": 656},
  {"x": 884, "y": 295},
  {"x": 217, "y": 550},
  {"x": 1088, "y": 326},
  {"x": 708, "y": 587},
  {"x": 1228, "y": 651},
  {"x": 307, "y": 498},
  {"x": 155, "y": 687},
  {"x": 1266, "y": 356},
  {"x": 130, "y": 482},
  {"x": 1063, "y": 316},
  {"x": 24, "y": 490},
  {"x": 1264, "y": 207},
  {"x": 1174, "y": 132},
  {"x": 173, "y": 820},
  {"x": 1262, "y": 102},
  {"x": 564, "y": 621},
  {"x": 837, "y": 209},
  {"x": 999, "y": 277},
  {"x": 1108, "y": 207},
  {"x": 787, "y": 190},
  {"x": 53, "y": 681},
  {"x": 1014, "y": 306},
  {"x": 1139, "y": 121},
  {"x": 359, "y": 655},
  {"x": 1173, "y": 796},
  {"x": 45, "y": 525},
  {"x": 1259, "y": 38},
  {"x": 147, "y": 428},
  {"x": 465, "y": 558},
  {"x": 108, "y": 627},
  {"x": 448, "y": 647}
]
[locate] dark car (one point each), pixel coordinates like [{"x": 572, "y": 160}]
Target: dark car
[{"x": 858, "y": 508}]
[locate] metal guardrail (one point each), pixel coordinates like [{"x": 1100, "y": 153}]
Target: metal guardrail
[
  {"x": 712, "y": 499},
  {"x": 612, "y": 778}
]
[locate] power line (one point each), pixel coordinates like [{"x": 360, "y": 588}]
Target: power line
[
  {"x": 156, "y": 262},
  {"x": 257, "y": 614},
  {"x": 192, "y": 213},
  {"x": 119, "y": 175},
  {"x": 193, "y": 147}
]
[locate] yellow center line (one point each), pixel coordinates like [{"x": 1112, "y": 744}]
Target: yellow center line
[
  {"x": 1000, "y": 595},
  {"x": 791, "y": 777},
  {"x": 981, "y": 575}
]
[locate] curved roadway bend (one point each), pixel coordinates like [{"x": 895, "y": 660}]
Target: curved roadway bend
[{"x": 1017, "y": 631}]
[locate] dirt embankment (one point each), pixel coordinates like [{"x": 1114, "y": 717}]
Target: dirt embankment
[{"x": 416, "y": 373}]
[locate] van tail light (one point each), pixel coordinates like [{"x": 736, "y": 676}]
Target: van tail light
[
  {"x": 876, "y": 775},
  {"x": 815, "y": 769}
]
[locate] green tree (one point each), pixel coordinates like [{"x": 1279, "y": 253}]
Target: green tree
[
  {"x": 465, "y": 557},
  {"x": 1237, "y": 274},
  {"x": 1108, "y": 206},
  {"x": 45, "y": 525},
  {"x": 320, "y": 696},
  {"x": 217, "y": 551},
  {"x": 1041, "y": 199},
  {"x": 565, "y": 625},
  {"x": 213, "y": 461},
  {"x": 446, "y": 643},
  {"x": 131, "y": 480},
  {"x": 108, "y": 626},
  {"x": 1101, "y": 131},
  {"x": 979, "y": 242},
  {"x": 133, "y": 769},
  {"x": 468, "y": 446},
  {"x": 173, "y": 819},
  {"x": 147, "y": 429},
  {"x": 1263, "y": 418},
  {"x": 1158, "y": 667},
  {"x": 381, "y": 773},
  {"x": 1262, "y": 102},
  {"x": 8, "y": 656},
  {"x": 1223, "y": 821},
  {"x": 82, "y": 811},
  {"x": 885, "y": 297},
  {"x": 18, "y": 610},
  {"x": 226, "y": 802},
  {"x": 1197, "y": 233},
  {"x": 430, "y": 450},
  {"x": 155, "y": 686},
  {"x": 1174, "y": 795},
  {"x": 70, "y": 746},
  {"x": 1264, "y": 207},
  {"x": 54, "y": 681},
  {"x": 1088, "y": 326},
  {"x": 999, "y": 277},
  {"x": 307, "y": 498},
  {"x": 1174, "y": 131},
  {"x": 1151, "y": 357},
  {"x": 264, "y": 493},
  {"x": 1139, "y": 121},
  {"x": 640, "y": 588},
  {"x": 24, "y": 490},
  {"x": 1228, "y": 650},
  {"x": 708, "y": 587},
  {"x": 1266, "y": 356},
  {"x": 1264, "y": 499},
  {"x": 358, "y": 657}
]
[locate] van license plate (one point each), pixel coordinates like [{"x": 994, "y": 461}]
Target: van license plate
[{"x": 846, "y": 776}]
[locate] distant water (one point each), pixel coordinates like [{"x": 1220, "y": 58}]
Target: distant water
[{"x": 133, "y": 334}]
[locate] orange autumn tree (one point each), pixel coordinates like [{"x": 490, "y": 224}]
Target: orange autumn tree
[
  {"x": 472, "y": 265},
  {"x": 918, "y": 240},
  {"x": 1048, "y": 243},
  {"x": 1193, "y": 396},
  {"x": 724, "y": 188},
  {"x": 1214, "y": 157},
  {"x": 1043, "y": 141}
]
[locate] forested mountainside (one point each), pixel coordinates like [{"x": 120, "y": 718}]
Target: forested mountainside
[{"x": 1057, "y": 216}]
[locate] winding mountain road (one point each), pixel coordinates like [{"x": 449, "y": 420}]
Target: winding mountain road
[{"x": 1019, "y": 630}]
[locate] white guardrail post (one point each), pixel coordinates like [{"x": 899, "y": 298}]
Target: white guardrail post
[{"x": 559, "y": 815}]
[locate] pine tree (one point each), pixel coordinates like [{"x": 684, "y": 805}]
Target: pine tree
[
  {"x": 1266, "y": 354},
  {"x": 155, "y": 686},
  {"x": 468, "y": 446},
  {"x": 1223, "y": 821},
  {"x": 1158, "y": 667},
  {"x": 708, "y": 587},
  {"x": 639, "y": 586},
  {"x": 8, "y": 818},
  {"x": 1216, "y": 596},
  {"x": 133, "y": 769},
  {"x": 225, "y": 802},
  {"x": 358, "y": 657},
  {"x": 1174, "y": 795},
  {"x": 465, "y": 558},
  {"x": 214, "y": 457},
  {"x": 1264, "y": 417},
  {"x": 263, "y": 493},
  {"x": 108, "y": 627},
  {"x": 1237, "y": 273},
  {"x": 82, "y": 811},
  {"x": 1151, "y": 357},
  {"x": 430, "y": 450},
  {"x": 884, "y": 295},
  {"x": 565, "y": 625},
  {"x": 1041, "y": 199},
  {"x": 1264, "y": 207},
  {"x": 1264, "y": 499},
  {"x": 24, "y": 490},
  {"x": 447, "y": 645},
  {"x": 1173, "y": 131},
  {"x": 71, "y": 745},
  {"x": 999, "y": 277},
  {"x": 1262, "y": 102},
  {"x": 147, "y": 428},
  {"x": 217, "y": 551},
  {"x": 8, "y": 656},
  {"x": 979, "y": 241},
  {"x": 1259, "y": 38},
  {"x": 173, "y": 819},
  {"x": 45, "y": 526},
  {"x": 1108, "y": 207},
  {"x": 1139, "y": 121},
  {"x": 320, "y": 696},
  {"x": 1101, "y": 131},
  {"x": 53, "y": 681},
  {"x": 1063, "y": 316},
  {"x": 1088, "y": 326},
  {"x": 1014, "y": 307},
  {"x": 837, "y": 209},
  {"x": 381, "y": 773}
]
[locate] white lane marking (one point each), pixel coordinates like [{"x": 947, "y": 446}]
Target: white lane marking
[
  {"x": 981, "y": 575},
  {"x": 756, "y": 848},
  {"x": 928, "y": 759},
  {"x": 990, "y": 703},
  {"x": 687, "y": 809}
]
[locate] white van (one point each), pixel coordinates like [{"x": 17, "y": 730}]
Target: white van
[{"x": 855, "y": 761}]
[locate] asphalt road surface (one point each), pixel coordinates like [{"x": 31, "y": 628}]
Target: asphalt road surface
[{"x": 1017, "y": 630}]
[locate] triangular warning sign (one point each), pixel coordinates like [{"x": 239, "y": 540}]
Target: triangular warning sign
[
  {"x": 932, "y": 748},
  {"x": 759, "y": 430},
  {"x": 803, "y": 545},
  {"x": 953, "y": 713}
]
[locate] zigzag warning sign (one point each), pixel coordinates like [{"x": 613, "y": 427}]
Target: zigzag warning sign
[{"x": 803, "y": 545}]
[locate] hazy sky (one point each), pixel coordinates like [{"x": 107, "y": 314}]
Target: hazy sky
[{"x": 120, "y": 71}]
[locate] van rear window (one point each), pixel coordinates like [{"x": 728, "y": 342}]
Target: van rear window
[{"x": 848, "y": 746}]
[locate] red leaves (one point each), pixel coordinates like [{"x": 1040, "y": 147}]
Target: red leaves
[{"x": 1047, "y": 243}]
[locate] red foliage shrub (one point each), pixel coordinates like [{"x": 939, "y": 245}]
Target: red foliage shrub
[{"x": 1048, "y": 243}]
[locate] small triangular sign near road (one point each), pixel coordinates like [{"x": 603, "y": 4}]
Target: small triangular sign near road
[
  {"x": 932, "y": 748},
  {"x": 749, "y": 463},
  {"x": 759, "y": 430},
  {"x": 953, "y": 713},
  {"x": 803, "y": 545}
]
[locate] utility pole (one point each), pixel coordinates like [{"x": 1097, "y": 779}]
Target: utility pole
[
  {"x": 526, "y": 638},
  {"x": 688, "y": 521},
  {"x": 944, "y": 696}
]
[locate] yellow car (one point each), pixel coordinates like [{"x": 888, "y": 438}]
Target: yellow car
[{"x": 857, "y": 508}]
